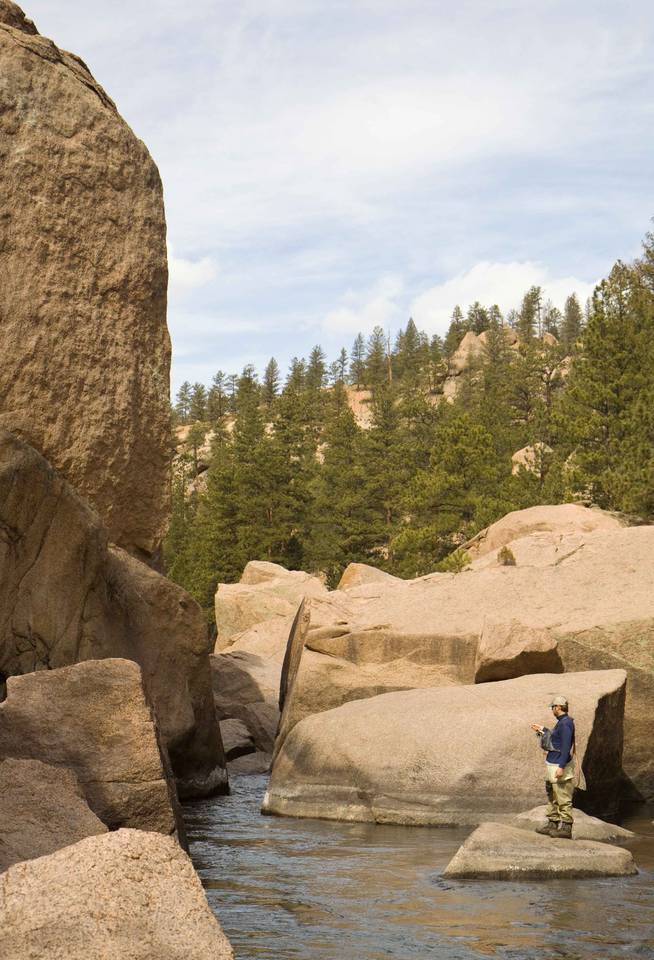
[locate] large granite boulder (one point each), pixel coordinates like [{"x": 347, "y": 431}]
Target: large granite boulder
[
  {"x": 42, "y": 809},
  {"x": 495, "y": 851},
  {"x": 550, "y": 524},
  {"x": 66, "y": 596},
  {"x": 85, "y": 350},
  {"x": 509, "y": 650},
  {"x": 128, "y": 895},
  {"x": 358, "y": 574},
  {"x": 93, "y": 718},
  {"x": 448, "y": 755},
  {"x": 267, "y": 591}
]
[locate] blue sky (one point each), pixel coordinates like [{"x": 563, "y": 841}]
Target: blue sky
[{"x": 331, "y": 165}]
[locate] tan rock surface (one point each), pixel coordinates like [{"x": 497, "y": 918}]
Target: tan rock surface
[
  {"x": 447, "y": 755},
  {"x": 42, "y": 809},
  {"x": 262, "y": 595},
  {"x": 530, "y": 458},
  {"x": 469, "y": 350},
  {"x": 128, "y": 895},
  {"x": 358, "y": 574},
  {"x": 83, "y": 338},
  {"x": 246, "y": 688},
  {"x": 93, "y": 718},
  {"x": 551, "y": 523},
  {"x": 585, "y": 827},
  {"x": 65, "y": 596},
  {"x": 498, "y": 852},
  {"x": 508, "y": 650}
]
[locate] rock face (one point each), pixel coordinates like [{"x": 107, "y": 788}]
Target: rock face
[
  {"x": 246, "y": 689},
  {"x": 42, "y": 809},
  {"x": 498, "y": 852},
  {"x": 508, "y": 650},
  {"x": 83, "y": 338},
  {"x": 358, "y": 574},
  {"x": 384, "y": 759},
  {"x": 65, "y": 596},
  {"x": 550, "y": 524},
  {"x": 93, "y": 718},
  {"x": 236, "y": 739},
  {"x": 266, "y": 592},
  {"x": 530, "y": 458},
  {"x": 128, "y": 895},
  {"x": 585, "y": 827}
]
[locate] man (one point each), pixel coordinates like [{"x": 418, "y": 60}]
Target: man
[{"x": 559, "y": 777}]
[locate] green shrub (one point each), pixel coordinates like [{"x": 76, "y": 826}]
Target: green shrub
[
  {"x": 455, "y": 562},
  {"x": 505, "y": 557}
]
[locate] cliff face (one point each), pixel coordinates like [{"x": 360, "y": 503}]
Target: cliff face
[{"x": 84, "y": 347}]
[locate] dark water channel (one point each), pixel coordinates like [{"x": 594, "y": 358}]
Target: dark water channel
[{"x": 317, "y": 890}]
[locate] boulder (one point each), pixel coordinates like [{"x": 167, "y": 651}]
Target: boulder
[
  {"x": 585, "y": 827},
  {"x": 469, "y": 350},
  {"x": 42, "y": 809},
  {"x": 128, "y": 895},
  {"x": 246, "y": 688},
  {"x": 508, "y": 650},
  {"x": 266, "y": 640},
  {"x": 236, "y": 739},
  {"x": 447, "y": 755},
  {"x": 358, "y": 574},
  {"x": 495, "y": 851},
  {"x": 267, "y": 591},
  {"x": 66, "y": 596},
  {"x": 251, "y": 764},
  {"x": 85, "y": 349},
  {"x": 93, "y": 718},
  {"x": 530, "y": 458},
  {"x": 550, "y": 523}
]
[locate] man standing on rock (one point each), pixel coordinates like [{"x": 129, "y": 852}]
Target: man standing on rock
[{"x": 559, "y": 777}]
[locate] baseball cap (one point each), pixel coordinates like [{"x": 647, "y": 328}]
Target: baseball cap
[{"x": 559, "y": 701}]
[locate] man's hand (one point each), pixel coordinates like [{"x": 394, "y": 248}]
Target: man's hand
[
  {"x": 537, "y": 727},
  {"x": 559, "y": 773}
]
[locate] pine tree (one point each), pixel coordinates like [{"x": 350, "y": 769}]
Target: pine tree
[
  {"x": 477, "y": 318},
  {"x": 183, "y": 402},
  {"x": 217, "y": 398},
  {"x": 455, "y": 333},
  {"x": 529, "y": 321},
  {"x": 376, "y": 359},
  {"x": 572, "y": 323},
  {"x": 357, "y": 363},
  {"x": 271, "y": 382},
  {"x": 198, "y": 404},
  {"x": 316, "y": 369}
]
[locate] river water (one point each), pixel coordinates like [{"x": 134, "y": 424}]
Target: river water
[{"x": 317, "y": 890}]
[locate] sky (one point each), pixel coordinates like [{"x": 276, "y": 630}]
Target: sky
[{"x": 330, "y": 165}]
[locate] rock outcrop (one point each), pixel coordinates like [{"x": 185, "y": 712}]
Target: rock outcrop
[
  {"x": 508, "y": 650},
  {"x": 267, "y": 591},
  {"x": 359, "y": 574},
  {"x": 580, "y": 577},
  {"x": 66, "y": 596},
  {"x": 495, "y": 851},
  {"x": 585, "y": 827},
  {"x": 85, "y": 350},
  {"x": 93, "y": 718},
  {"x": 42, "y": 809},
  {"x": 447, "y": 755},
  {"x": 531, "y": 458},
  {"x": 129, "y": 895}
]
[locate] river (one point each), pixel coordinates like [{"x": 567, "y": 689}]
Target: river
[{"x": 286, "y": 888}]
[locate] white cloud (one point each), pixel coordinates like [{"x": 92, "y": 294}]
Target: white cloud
[
  {"x": 185, "y": 274},
  {"x": 360, "y": 312},
  {"x": 490, "y": 283}
]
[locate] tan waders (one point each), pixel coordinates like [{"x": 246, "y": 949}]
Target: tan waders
[{"x": 559, "y": 807}]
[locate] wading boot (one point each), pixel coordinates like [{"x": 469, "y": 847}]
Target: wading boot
[
  {"x": 564, "y": 832},
  {"x": 549, "y": 828}
]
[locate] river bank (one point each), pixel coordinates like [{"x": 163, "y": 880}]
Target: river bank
[{"x": 314, "y": 890}]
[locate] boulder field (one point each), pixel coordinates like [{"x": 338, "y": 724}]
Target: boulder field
[
  {"x": 580, "y": 597},
  {"x": 127, "y": 895},
  {"x": 447, "y": 755},
  {"x": 67, "y": 596},
  {"x": 83, "y": 339}
]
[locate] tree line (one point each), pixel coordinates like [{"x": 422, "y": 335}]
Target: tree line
[{"x": 293, "y": 478}]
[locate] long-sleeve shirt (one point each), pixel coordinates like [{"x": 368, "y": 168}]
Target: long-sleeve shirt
[{"x": 563, "y": 736}]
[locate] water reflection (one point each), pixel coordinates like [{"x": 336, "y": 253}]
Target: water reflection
[{"x": 317, "y": 890}]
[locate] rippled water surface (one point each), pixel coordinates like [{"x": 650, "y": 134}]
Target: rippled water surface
[{"x": 285, "y": 888}]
